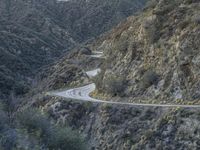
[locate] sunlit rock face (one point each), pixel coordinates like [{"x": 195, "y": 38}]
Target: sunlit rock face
[{"x": 157, "y": 52}]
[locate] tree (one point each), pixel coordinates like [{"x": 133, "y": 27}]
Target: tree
[{"x": 115, "y": 85}]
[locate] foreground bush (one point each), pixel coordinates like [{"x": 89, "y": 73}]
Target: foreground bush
[
  {"x": 53, "y": 136},
  {"x": 31, "y": 130}
]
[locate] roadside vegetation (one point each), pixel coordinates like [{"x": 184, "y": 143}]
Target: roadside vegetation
[{"x": 112, "y": 85}]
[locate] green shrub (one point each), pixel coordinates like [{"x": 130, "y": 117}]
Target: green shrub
[
  {"x": 165, "y": 7},
  {"x": 8, "y": 136},
  {"x": 190, "y": 1},
  {"x": 149, "y": 78},
  {"x": 34, "y": 121},
  {"x": 121, "y": 45},
  {"x": 98, "y": 80},
  {"x": 21, "y": 88},
  {"x": 196, "y": 19},
  {"x": 9, "y": 139},
  {"x": 114, "y": 85},
  {"x": 151, "y": 4},
  {"x": 53, "y": 136},
  {"x": 65, "y": 139},
  {"x": 3, "y": 120}
]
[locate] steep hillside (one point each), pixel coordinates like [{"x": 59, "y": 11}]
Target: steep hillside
[
  {"x": 34, "y": 33},
  {"x": 149, "y": 58},
  {"x": 67, "y": 72},
  {"x": 29, "y": 39},
  {"x": 115, "y": 127},
  {"x": 85, "y": 19},
  {"x": 155, "y": 55}
]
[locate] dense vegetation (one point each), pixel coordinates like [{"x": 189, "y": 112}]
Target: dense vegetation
[
  {"x": 31, "y": 129},
  {"x": 28, "y": 40}
]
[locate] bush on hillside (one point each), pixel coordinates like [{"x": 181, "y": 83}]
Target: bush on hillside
[
  {"x": 3, "y": 120},
  {"x": 9, "y": 139},
  {"x": 53, "y": 136},
  {"x": 65, "y": 138},
  {"x": 149, "y": 78},
  {"x": 196, "y": 19},
  {"x": 98, "y": 81},
  {"x": 114, "y": 85},
  {"x": 8, "y": 135}
]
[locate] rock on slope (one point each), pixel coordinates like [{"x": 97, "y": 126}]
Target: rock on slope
[{"x": 156, "y": 54}]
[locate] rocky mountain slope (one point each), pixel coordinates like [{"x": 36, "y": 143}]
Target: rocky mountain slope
[
  {"x": 35, "y": 32},
  {"x": 67, "y": 72},
  {"x": 115, "y": 127},
  {"x": 154, "y": 55}
]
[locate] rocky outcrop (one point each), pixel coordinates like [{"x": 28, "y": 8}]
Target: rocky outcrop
[
  {"x": 157, "y": 52},
  {"x": 114, "y": 127}
]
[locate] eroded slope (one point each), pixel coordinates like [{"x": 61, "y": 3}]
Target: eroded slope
[{"x": 155, "y": 55}]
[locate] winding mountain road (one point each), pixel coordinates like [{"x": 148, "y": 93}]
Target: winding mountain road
[{"x": 83, "y": 93}]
